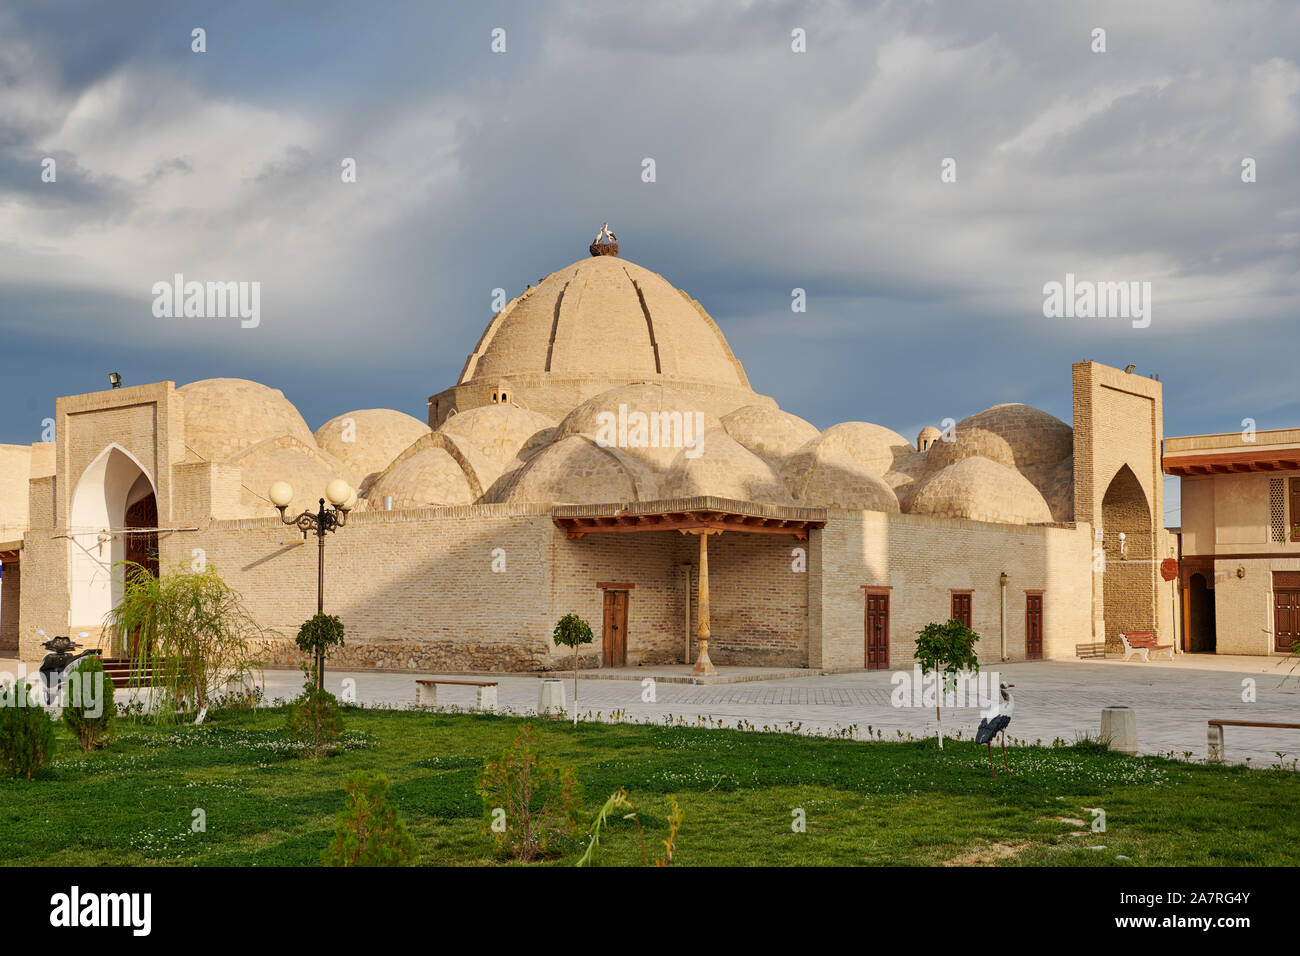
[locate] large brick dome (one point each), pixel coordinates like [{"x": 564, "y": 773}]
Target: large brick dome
[{"x": 597, "y": 324}]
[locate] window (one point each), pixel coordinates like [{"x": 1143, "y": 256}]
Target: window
[
  {"x": 1277, "y": 509},
  {"x": 961, "y": 607}
]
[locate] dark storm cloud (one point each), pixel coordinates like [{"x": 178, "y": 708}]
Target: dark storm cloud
[{"x": 774, "y": 171}]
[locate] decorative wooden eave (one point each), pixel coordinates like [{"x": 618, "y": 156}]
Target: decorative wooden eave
[
  {"x": 9, "y": 552},
  {"x": 704, "y": 514},
  {"x": 1234, "y": 462}
]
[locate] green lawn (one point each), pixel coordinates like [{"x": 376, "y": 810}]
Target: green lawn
[{"x": 866, "y": 803}]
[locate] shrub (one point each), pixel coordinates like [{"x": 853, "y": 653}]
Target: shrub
[
  {"x": 26, "y": 733},
  {"x": 369, "y": 831},
  {"x": 528, "y": 799},
  {"x": 314, "y": 719},
  {"x": 317, "y": 635},
  {"x": 89, "y": 709}
]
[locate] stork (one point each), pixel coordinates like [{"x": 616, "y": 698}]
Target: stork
[
  {"x": 990, "y": 727},
  {"x": 604, "y": 235}
]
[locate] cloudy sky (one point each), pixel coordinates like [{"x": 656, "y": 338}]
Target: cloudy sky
[{"x": 774, "y": 170}]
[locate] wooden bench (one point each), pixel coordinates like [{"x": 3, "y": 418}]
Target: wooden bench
[
  {"x": 1216, "y": 740},
  {"x": 1087, "y": 651},
  {"x": 426, "y": 692},
  {"x": 1143, "y": 642}
]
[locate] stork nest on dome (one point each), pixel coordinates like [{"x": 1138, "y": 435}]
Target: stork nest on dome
[{"x": 605, "y": 243}]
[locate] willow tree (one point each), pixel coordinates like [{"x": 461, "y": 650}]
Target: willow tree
[{"x": 190, "y": 629}]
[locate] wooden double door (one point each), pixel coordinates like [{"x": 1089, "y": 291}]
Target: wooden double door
[{"x": 614, "y": 629}]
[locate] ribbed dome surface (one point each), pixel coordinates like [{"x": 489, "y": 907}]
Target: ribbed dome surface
[{"x": 604, "y": 317}]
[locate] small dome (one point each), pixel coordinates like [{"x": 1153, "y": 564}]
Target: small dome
[
  {"x": 830, "y": 478},
  {"x": 427, "y": 476},
  {"x": 929, "y": 435},
  {"x": 877, "y": 448},
  {"x": 724, "y": 468},
  {"x": 501, "y": 434},
  {"x": 648, "y": 422},
  {"x": 223, "y": 416},
  {"x": 1016, "y": 436},
  {"x": 982, "y": 490},
  {"x": 768, "y": 432},
  {"x": 283, "y": 458},
  {"x": 366, "y": 441},
  {"x": 575, "y": 471}
]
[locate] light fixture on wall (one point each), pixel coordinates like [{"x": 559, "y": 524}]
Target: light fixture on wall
[
  {"x": 115, "y": 379},
  {"x": 1241, "y": 572}
]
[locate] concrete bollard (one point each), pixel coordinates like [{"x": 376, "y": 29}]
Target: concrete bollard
[
  {"x": 1215, "y": 744},
  {"x": 426, "y": 695},
  {"x": 1119, "y": 725},
  {"x": 550, "y": 698}
]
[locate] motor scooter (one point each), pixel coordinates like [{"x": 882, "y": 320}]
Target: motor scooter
[{"x": 60, "y": 661}]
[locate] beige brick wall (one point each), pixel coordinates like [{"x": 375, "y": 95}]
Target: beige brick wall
[{"x": 923, "y": 559}]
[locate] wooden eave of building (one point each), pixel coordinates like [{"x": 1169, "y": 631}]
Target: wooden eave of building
[
  {"x": 688, "y": 516},
  {"x": 1234, "y": 462},
  {"x": 9, "y": 552}
]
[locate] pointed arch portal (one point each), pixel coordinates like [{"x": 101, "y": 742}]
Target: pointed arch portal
[
  {"x": 1129, "y": 542},
  {"x": 114, "y": 495}
]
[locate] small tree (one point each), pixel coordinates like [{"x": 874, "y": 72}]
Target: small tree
[
  {"x": 90, "y": 707},
  {"x": 369, "y": 831},
  {"x": 946, "y": 651},
  {"x": 317, "y": 635},
  {"x": 528, "y": 799},
  {"x": 314, "y": 718},
  {"x": 190, "y": 628},
  {"x": 572, "y": 632},
  {"x": 26, "y": 731}
]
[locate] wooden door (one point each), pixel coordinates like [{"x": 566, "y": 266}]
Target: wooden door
[
  {"x": 1033, "y": 627},
  {"x": 1286, "y": 617},
  {"x": 961, "y": 608},
  {"x": 877, "y": 632},
  {"x": 614, "y": 629}
]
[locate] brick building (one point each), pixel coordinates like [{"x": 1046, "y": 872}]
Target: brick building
[{"x": 601, "y": 441}]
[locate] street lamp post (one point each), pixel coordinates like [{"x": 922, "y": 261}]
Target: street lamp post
[{"x": 343, "y": 499}]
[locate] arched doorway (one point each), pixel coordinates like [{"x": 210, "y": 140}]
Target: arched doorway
[
  {"x": 1200, "y": 615},
  {"x": 114, "y": 495},
  {"x": 1128, "y": 583}
]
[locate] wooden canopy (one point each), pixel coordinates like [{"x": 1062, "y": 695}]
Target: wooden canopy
[
  {"x": 1235, "y": 462},
  {"x": 689, "y": 516}
]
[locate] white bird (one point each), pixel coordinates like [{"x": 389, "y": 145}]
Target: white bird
[{"x": 990, "y": 727}]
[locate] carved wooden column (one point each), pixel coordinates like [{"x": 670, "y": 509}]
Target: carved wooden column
[{"x": 703, "y": 666}]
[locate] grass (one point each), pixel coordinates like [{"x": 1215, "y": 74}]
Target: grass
[{"x": 877, "y": 803}]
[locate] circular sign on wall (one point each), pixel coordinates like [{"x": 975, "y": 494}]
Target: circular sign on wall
[{"x": 1169, "y": 569}]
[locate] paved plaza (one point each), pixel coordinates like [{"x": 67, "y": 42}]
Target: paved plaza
[{"x": 1053, "y": 699}]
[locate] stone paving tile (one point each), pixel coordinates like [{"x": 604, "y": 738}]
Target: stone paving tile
[{"x": 1053, "y": 699}]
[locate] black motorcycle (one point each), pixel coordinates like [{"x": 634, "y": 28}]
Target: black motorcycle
[{"x": 60, "y": 660}]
